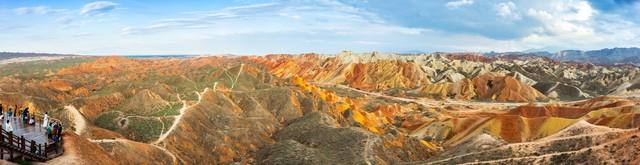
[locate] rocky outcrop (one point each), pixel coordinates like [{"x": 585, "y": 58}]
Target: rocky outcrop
[
  {"x": 498, "y": 87},
  {"x": 557, "y": 90}
]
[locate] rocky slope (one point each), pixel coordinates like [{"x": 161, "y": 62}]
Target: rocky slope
[{"x": 448, "y": 75}]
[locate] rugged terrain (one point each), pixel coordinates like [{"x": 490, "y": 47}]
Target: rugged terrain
[{"x": 347, "y": 108}]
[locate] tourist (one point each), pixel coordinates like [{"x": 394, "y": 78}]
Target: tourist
[
  {"x": 10, "y": 113},
  {"x": 49, "y": 131},
  {"x": 57, "y": 128},
  {"x": 60, "y": 130},
  {"x": 9, "y": 127},
  {"x": 56, "y": 138},
  {"x": 32, "y": 121},
  {"x": 45, "y": 120},
  {"x": 25, "y": 115},
  {"x": 54, "y": 129}
]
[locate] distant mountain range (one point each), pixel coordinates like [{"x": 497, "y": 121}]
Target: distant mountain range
[
  {"x": 607, "y": 56},
  {"x": 603, "y": 56}
]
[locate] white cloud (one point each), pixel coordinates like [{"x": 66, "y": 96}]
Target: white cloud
[
  {"x": 458, "y": 3},
  {"x": 575, "y": 24},
  {"x": 65, "y": 19},
  {"x": 319, "y": 17},
  {"x": 568, "y": 20},
  {"x": 39, "y": 10},
  {"x": 507, "y": 10},
  {"x": 98, "y": 8}
]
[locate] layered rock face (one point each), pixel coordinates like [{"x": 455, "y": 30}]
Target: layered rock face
[
  {"x": 345, "y": 109},
  {"x": 446, "y": 75}
]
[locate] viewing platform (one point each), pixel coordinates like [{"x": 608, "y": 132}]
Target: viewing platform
[{"x": 28, "y": 142}]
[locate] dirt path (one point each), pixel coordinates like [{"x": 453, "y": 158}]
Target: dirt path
[
  {"x": 78, "y": 120},
  {"x": 237, "y": 76},
  {"x": 179, "y": 117}
]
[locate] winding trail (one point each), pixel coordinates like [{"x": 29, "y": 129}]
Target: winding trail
[
  {"x": 237, "y": 76},
  {"x": 179, "y": 117},
  {"x": 78, "y": 119}
]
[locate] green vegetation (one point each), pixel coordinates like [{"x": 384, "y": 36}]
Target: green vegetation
[
  {"x": 112, "y": 88},
  {"x": 143, "y": 129},
  {"x": 170, "y": 110},
  {"x": 107, "y": 120},
  {"x": 168, "y": 121}
]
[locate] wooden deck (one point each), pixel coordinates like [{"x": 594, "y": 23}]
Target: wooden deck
[
  {"x": 27, "y": 142},
  {"x": 36, "y": 132}
]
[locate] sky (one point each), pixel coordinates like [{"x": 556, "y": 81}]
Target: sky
[{"x": 258, "y": 27}]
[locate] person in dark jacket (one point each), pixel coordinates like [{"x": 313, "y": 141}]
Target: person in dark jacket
[
  {"x": 54, "y": 129},
  {"x": 25, "y": 115},
  {"x": 60, "y": 130},
  {"x": 15, "y": 111}
]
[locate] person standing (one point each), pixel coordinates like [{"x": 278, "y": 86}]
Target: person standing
[
  {"x": 2, "y": 115},
  {"x": 15, "y": 112},
  {"x": 45, "y": 120},
  {"x": 9, "y": 127},
  {"x": 25, "y": 115},
  {"x": 49, "y": 130},
  {"x": 10, "y": 114},
  {"x": 60, "y": 131}
]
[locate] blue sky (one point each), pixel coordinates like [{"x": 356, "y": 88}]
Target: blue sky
[{"x": 323, "y": 26}]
